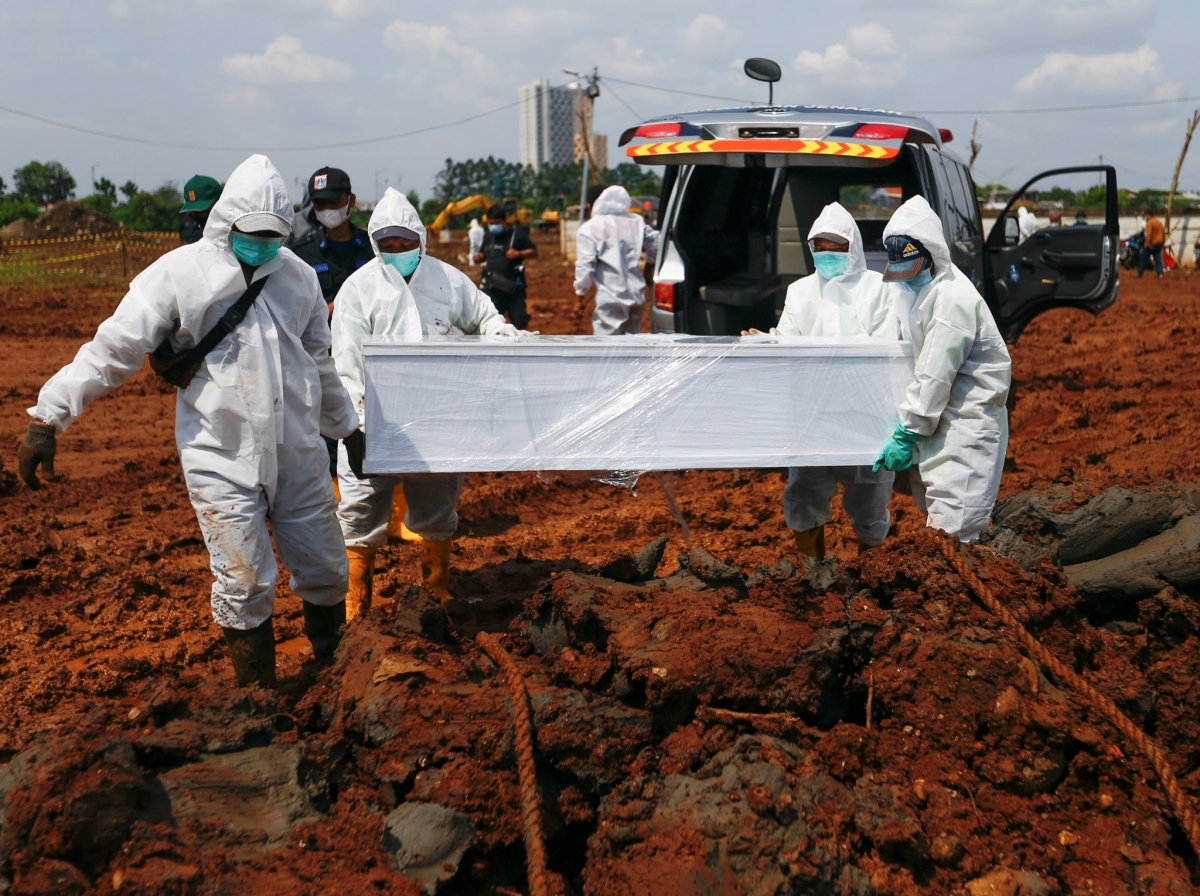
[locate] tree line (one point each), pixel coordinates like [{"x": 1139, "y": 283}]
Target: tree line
[{"x": 40, "y": 184}]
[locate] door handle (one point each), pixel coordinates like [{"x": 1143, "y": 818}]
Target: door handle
[{"x": 1070, "y": 259}]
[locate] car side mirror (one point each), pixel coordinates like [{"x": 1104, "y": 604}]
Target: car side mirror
[{"x": 1012, "y": 232}]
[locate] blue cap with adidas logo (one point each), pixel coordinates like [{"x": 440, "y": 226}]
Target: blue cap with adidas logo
[{"x": 907, "y": 257}]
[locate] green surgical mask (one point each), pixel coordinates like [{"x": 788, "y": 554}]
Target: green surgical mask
[
  {"x": 254, "y": 250},
  {"x": 404, "y": 262}
]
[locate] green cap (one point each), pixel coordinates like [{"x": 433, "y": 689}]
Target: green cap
[{"x": 200, "y": 193}]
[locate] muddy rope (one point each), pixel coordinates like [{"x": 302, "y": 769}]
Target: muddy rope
[
  {"x": 531, "y": 801},
  {"x": 1175, "y": 796}
]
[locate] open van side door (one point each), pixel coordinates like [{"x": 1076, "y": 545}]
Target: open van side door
[{"x": 1074, "y": 266}]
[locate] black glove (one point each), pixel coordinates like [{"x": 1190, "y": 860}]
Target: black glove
[
  {"x": 356, "y": 447},
  {"x": 38, "y": 447}
]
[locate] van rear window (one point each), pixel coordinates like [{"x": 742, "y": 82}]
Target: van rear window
[{"x": 871, "y": 202}]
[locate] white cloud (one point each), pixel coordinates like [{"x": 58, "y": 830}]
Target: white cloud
[
  {"x": 434, "y": 40},
  {"x": 285, "y": 62},
  {"x": 118, "y": 9},
  {"x": 342, "y": 9},
  {"x": 708, "y": 33},
  {"x": 867, "y": 58},
  {"x": 1101, "y": 73},
  {"x": 1169, "y": 90}
]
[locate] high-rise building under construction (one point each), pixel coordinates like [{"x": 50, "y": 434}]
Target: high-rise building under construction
[{"x": 547, "y": 124}]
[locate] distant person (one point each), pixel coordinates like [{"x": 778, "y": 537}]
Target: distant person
[
  {"x": 474, "y": 239},
  {"x": 1055, "y": 218},
  {"x": 199, "y": 194},
  {"x": 953, "y": 423},
  {"x": 1027, "y": 223},
  {"x": 503, "y": 253},
  {"x": 1196, "y": 252},
  {"x": 1080, "y": 219},
  {"x": 335, "y": 248},
  {"x": 607, "y": 250},
  {"x": 1152, "y": 246},
  {"x": 247, "y": 424},
  {"x": 845, "y": 300}
]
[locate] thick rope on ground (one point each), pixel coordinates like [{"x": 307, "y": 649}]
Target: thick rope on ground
[
  {"x": 1175, "y": 796},
  {"x": 531, "y": 800}
]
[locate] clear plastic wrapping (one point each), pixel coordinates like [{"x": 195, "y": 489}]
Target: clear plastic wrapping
[{"x": 472, "y": 404}]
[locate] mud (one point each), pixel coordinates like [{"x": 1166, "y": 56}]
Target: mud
[{"x": 701, "y": 715}]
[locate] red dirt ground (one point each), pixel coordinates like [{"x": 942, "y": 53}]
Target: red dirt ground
[{"x": 111, "y": 668}]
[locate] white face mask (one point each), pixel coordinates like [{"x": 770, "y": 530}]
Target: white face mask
[{"x": 334, "y": 217}]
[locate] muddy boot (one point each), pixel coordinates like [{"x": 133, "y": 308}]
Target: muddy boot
[
  {"x": 435, "y": 567},
  {"x": 396, "y": 530},
  {"x": 811, "y": 542},
  {"x": 863, "y": 547},
  {"x": 253, "y": 654},
  {"x": 323, "y": 628},
  {"x": 362, "y": 580}
]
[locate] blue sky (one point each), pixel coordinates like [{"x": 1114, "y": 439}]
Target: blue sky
[{"x": 269, "y": 73}]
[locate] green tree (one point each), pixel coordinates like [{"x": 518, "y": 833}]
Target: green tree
[
  {"x": 3, "y": 186},
  {"x": 13, "y": 206},
  {"x": 130, "y": 189},
  {"x": 106, "y": 187},
  {"x": 44, "y": 182},
  {"x": 639, "y": 181}
]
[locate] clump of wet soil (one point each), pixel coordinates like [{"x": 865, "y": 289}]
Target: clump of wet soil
[{"x": 860, "y": 727}]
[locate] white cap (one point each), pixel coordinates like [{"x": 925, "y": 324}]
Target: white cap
[{"x": 256, "y": 221}]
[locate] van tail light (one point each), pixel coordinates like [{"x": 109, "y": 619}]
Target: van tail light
[
  {"x": 661, "y": 129},
  {"x": 880, "y": 132},
  {"x": 664, "y": 296},
  {"x": 946, "y": 134}
]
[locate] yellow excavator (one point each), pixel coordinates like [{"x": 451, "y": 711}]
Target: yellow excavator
[{"x": 482, "y": 203}]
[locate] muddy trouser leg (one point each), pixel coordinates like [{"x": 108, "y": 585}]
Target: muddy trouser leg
[
  {"x": 865, "y": 496},
  {"x": 366, "y": 506},
  {"x": 432, "y": 499},
  {"x": 806, "y": 497},
  {"x": 304, "y": 520},
  {"x": 233, "y": 521}
]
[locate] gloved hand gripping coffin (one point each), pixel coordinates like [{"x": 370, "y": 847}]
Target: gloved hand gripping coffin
[{"x": 472, "y": 404}]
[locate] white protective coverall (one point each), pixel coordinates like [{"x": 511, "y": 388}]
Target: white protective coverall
[
  {"x": 1027, "y": 223},
  {"x": 858, "y": 303},
  {"x": 375, "y": 301},
  {"x": 248, "y": 425},
  {"x": 475, "y": 234},
  {"x": 961, "y": 377},
  {"x": 607, "y": 250}
]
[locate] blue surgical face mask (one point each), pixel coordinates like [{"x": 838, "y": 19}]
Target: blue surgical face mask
[
  {"x": 919, "y": 282},
  {"x": 831, "y": 264},
  {"x": 496, "y": 228},
  {"x": 254, "y": 250},
  {"x": 404, "y": 262}
]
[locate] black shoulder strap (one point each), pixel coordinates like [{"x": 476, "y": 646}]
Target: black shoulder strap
[{"x": 233, "y": 316}]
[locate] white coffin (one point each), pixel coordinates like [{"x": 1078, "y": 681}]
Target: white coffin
[{"x": 472, "y": 404}]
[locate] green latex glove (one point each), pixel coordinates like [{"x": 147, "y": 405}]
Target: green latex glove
[{"x": 897, "y": 454}]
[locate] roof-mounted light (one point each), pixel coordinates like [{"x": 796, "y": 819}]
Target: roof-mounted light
[
  {"x": 946, "y": 134},
  {"x": 880, "y": 132},
  {"x": 659, "y": 129}
]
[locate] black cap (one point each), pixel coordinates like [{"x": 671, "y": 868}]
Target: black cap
[
  {"x": 907, "y": 257},
  {"x": 328, "y": 183}
]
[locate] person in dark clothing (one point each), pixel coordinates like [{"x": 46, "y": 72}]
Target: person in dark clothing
[
  {"x": 199, "y": 195},
  {"x": 335, "y": 248},
  {"x": 505, "y": 248}
]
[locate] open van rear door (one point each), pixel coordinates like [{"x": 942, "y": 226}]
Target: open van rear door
[{"x": 1073, "y": 266}]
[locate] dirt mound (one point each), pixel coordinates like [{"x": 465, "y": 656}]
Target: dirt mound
[
  {"x": 849, "y": 728},
  {"x": 72, "y": 219},
  {"x": 20, "y": 229}
]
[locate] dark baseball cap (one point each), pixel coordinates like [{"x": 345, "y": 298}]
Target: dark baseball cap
[
  {"x": 328, "y": 183},
  {"x": 199, "y": 194},
  {"x": 907, "y": 257}
]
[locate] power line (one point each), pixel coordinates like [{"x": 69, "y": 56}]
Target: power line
[
  {"x": 168, "y": 145},
  {"x": 707, "y": 96},
  {"x": 1182, "y": 99},
  {"x": 632, "y": 110}
]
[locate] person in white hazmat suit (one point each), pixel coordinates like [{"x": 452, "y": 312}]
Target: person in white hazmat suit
[
  {"x": 1027, "y": 223},
  {"x": 607, "y": 249},
  {"x": 842, "y": 299},
  {"x": 405, "y": 294},
  {"x": 953, "y": 423},
  {"x": 248, "y": 425},
  {"x": 475, "y": 234}
]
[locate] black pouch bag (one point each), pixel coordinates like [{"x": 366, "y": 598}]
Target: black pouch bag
[{"x": 178, "y": 368}]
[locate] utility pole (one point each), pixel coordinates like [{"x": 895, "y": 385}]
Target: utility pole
[
  {"x": 1187, "y": 141},
  {"x": 585, "y": 126},
  {"x": 95, "y": 165}
]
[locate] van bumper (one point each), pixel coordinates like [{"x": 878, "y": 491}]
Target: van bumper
[{"x": 661, "y": 321}]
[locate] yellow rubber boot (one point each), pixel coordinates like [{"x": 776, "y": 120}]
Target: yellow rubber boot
[
  {"x": 362, "y": 575},
  {"x": 396, "y": 530},
  {"x": 811, "y": 542},
  {"x": 435, "y": 567}
]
